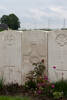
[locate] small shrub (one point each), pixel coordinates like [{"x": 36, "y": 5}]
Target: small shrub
[
  {"x": 61, "y": 86},
  {"x": 57, "y": 95},
  {"x": 33, "y": 76},
  {"x": 37, "y": 72},
  {"x": 39, "y": 69}
]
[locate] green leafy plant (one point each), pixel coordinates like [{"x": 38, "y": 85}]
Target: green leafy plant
[
  {"x": 57, "y": 95},
  {"x": 32, "y": 76},
  {"x": 39, "y": 68},
  {"x": 37, "y": 80},
  {"x": 30, "y": 85},
  {"x": 61, "y": 86},
  {"x": 44, "y": 87},
  {"x": 38, "y": 71}
]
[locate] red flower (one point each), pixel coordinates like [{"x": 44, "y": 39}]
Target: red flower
[
  {"x": 42, "y": 84},
  {"x": 39, "y": 91},
  {"x": 54, "y": 67},
  {"x": 42, "y": 60},
  {"x": 46, "y": 78},
  {"x": 53, "y": 86}
]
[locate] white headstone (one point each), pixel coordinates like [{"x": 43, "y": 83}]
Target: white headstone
[
  {"x": 10, "y": 56},
  {"x": 57, "y": 55},
  {"x": 34, "y": 49}
]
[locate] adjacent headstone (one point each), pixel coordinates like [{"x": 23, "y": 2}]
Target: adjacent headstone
[
  {"x": 10, "y": 56},
  {"x": 57, "y": 55}
]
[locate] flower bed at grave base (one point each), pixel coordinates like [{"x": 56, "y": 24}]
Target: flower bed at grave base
[{"x": 37, "y": 85}]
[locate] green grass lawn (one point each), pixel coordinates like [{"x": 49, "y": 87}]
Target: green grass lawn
[{"x": 13, "y": 98}]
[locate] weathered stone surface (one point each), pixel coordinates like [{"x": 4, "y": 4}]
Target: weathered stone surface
[
  {"x": 10, "y": 56},
  {"x": 57, "y": 55},
  {"x": 18, "y": 51},
  {"x": 34, "y": 49}
]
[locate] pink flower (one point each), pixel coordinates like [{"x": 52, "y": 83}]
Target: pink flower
[
  {"x": 46, "y": 78},
  {"x": 54, "y": 67},
  {"x": 53, "y": 86},
  {"x": 38, "y": 84},
  {"x": 39, "y": 91},
  {"x": 42, "y": 84}
]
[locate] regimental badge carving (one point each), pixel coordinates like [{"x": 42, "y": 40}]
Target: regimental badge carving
[
  {"x": 34, "y": 56},
  {"x": 61, "y": 39},
  {"x": 9, "y": 39}
]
